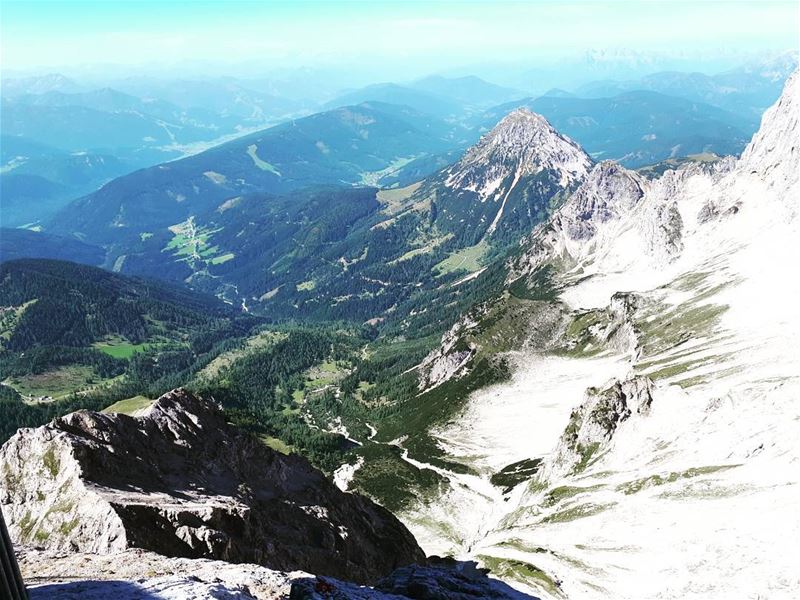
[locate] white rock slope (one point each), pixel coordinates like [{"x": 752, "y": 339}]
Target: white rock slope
[{"x": 678, "y": 477}]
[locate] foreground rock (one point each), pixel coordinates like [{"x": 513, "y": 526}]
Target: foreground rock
[
  {"x": 138, "y": 573},
  {"x": 182, "y": 482}
]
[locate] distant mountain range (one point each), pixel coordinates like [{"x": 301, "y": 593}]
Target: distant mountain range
[
  {"x": 443, "y": 97},
  {"x": 330, "y": 251},
  {"x": 63, "y": 139},
  {"x": 639, "y": 127},
  {"x": 397, "y": 94},
  {"x": 36, "y": 180},
  {"x": 746, "y": 91}
]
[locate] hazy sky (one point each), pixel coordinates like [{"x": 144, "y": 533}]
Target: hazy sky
[{"x": 365, "y": 34}]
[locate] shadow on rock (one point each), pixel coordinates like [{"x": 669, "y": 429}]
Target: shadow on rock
[
  {"x": 161, "y": 588},
  {"x": 441, "y": 579}
]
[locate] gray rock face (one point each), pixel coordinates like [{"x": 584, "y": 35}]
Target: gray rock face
[
  {"x": 621, "y": 333},
  {"x": 608, "y": 192},
  {"x": 608, "y": 195},
  {"x": 182, "y": 482},
  {"x": 592, "y": 425},
  {"x": 136, "y": 574}
]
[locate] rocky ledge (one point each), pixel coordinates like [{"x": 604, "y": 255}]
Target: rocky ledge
[
  {"x": 137, "y": 574},
  {"x": 182, "y": 482}
]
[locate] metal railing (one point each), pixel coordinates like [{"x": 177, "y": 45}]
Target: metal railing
[{"x": 11, "y": 585}]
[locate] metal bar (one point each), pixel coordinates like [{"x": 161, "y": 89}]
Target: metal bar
[{"x": 11, "y": 584}]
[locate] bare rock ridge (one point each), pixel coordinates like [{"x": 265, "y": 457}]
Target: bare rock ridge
[{"x": 182, "y": 482}]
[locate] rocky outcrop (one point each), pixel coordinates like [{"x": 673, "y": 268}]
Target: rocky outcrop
[
  {"x": 136, "y": 574},
  {"x": 621, "y": 333},
  {"x": 450, "y": 358},
  {"x": 609, "y": 192},
  {"x": 593, "y": 424},
  {"x": 181, "y": 481},
  {"x": 590, "y": 215}
]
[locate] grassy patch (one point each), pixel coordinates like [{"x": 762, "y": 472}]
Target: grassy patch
[
  {"x": 192, "y": 244},
  {"x": 218, "y": 260},
  {"x": 55, "y": 383},
  {"x": 586, "y": 454},
  {"x": 638, "y": 485},
  {"x": 564, "y": 492},
  {"x": 41, "y": 535},
  {"x": 122, "y": 349},
  {"x": 576, "y": 512},
  {"x": 129, "y": 406},
  {"x": 363, "y": 387},
  {"x": 397, "y": 199},
  {"x": 26, "y": 525},
  {"x": 467, "y": 259},
  {"x": 664, "y": 329},
  {"x": 506, "y": 568},
  {"x": 51, "y": 462},
  {"x": 501, "y": 329},
  {"x": 276, "y": 444},
  {"x": 322, "y": 375},
  {"x": 518, "y": 544},
  {"x": 252, "y": 149},
  {"x": 306, "y": 286},
  {"x": 67, "y": 526},
  {"x": 580, "y": 336}
]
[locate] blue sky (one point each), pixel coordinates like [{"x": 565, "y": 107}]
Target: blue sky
[{"x": 434, "y": 34}]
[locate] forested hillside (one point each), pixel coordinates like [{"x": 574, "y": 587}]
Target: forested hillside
[
  {"x": 72, "y": 335},
  {"x": 351, "y": 145}
]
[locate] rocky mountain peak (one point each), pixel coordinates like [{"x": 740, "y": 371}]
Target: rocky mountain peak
[
  {"x": 522, "y": 143},
  {"x": 182, "y": 482}
]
